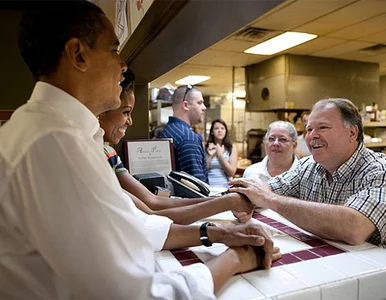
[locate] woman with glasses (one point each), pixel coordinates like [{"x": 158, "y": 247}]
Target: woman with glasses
[
  {"x": 221, "y": 155},
  {"x": 280, "y": 145}
]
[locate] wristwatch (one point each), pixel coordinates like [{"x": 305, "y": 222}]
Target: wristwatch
[{"x": 204, "y": 233}]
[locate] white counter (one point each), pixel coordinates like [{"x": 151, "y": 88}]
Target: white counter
[{"x": 310, "y": 268}]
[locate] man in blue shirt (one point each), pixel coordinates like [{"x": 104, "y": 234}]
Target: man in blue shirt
[{"x": 188, "y": 110}]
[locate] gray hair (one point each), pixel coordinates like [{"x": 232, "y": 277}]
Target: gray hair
[
  {"x": 283, "y": 124},
  {"x": 348, "y": 111}
]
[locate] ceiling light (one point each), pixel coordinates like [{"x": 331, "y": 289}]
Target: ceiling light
[
  {"x": 281, "y": 42},
  {"x": 240, "y": 94},
  {"x": 192, "y": 79}
]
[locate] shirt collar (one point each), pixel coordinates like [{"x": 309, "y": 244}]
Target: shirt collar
[
  {"x": 51, "y": 98},
  {"x": 346, "y": 168},
  {"x": 173, "y": 119}
]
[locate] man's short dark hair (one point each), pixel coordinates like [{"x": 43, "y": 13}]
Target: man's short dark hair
[{"x": 48, "y": 25}]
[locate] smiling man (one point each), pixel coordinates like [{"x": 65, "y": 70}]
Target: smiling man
[
  {"x": 343, "y": 182},
  {"x": 66, "y": 229}
]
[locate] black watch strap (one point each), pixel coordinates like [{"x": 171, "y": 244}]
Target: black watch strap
[{"x": 204, "y": 234}]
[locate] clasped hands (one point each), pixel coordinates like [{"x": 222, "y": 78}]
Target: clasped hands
[
  {"x": 256, "y": 192},
  {"x": 215, "y": 149},
  {"x": 244, "y": 239}
]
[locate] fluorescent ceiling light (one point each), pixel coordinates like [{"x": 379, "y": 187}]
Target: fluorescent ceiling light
[
  {"x": 240, "y": 94},
  {"x": 281, "y": 42},
  {"x": 192, "y": 79}
]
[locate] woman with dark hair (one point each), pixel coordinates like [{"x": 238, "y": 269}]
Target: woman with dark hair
[{"x": 221, "y": 155}]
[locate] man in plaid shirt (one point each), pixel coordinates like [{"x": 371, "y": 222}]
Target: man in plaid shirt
[{"x": 343, "y": 182}]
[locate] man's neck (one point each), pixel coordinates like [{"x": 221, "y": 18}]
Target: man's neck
[{"x": 183, "y": 118}]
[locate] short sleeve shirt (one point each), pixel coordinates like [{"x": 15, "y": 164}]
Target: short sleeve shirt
[
  {"x": 113, "y": 159},
  {"x": 189, "y": 153}
]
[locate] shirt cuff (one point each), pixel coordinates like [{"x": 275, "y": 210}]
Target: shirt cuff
[
  {"x": 204, "y": 280},
  {"x": 158, "y": 229}
]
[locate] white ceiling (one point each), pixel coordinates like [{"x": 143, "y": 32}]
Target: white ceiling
[{"x": 344, "y": 28}]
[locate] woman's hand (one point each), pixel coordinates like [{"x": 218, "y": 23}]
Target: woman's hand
[
  {"x": 219, "y": 150},
  {"x": 211, "y": 149}
]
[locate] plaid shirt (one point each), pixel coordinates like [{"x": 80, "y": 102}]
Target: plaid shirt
[{"x": 359, "y": 183}]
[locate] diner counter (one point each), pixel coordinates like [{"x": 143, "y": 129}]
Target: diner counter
[{"x": 311, "y": 268}]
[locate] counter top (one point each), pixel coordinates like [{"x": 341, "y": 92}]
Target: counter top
[{"x": 311, "y": 268}]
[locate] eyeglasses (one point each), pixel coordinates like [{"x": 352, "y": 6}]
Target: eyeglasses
[
  {"x": 189, "y": 87},
  {"x": 281, "y": 140}
]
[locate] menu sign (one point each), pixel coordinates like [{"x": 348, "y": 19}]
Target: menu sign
[{"x": 149, "y": 156}]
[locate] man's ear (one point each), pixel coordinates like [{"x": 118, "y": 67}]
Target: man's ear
[
  {"x": 354, "y": 133},
  {"x": 76, "y": 54},
  {"x": 185, "y": 105}
]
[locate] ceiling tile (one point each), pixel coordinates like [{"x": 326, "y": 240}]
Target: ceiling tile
[
  {"x": 213, "y": 58},
  {"x": 233, "y": 45},
  {"x": 298, "y": 13},
  {"x": 345, "y": 17},
  {"x": 342, "y": 48},
  {"x": 378, "y": 38},
  {"x": 362, "y": 29},
  {"x": 315, "y": 45}
]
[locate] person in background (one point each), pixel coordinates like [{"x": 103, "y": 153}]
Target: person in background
[
  {"x": 67, "y": 230},
  {"x": 302, "y": 149},
  {"x": 157, "y": 131},
  {"x": 280, "y": 145},
  {"x": 337, "y": 193},
  {"x": 188, "y": 110},
  {"x": 221, "y": 155},
  {"x": 181, "y": 211}
]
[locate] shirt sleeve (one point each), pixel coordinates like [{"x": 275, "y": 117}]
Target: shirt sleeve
[
  {"x": 371, "y": 201},
  {"x": 82, "y": 226},
  {"x": 286, "y": 184},
  {"x": 157, "y": 226},
  {"x": 114, "y": 160}
]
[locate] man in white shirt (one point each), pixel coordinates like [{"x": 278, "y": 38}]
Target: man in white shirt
[{"x": 66, "y": 230}]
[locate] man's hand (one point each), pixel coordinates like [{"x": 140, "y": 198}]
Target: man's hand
[
  {"x": 251, "y": 258},
  {"x": 240, "y": 203},
  {"x": 243, "y": 217},
  {"x": 247, "y": 234},
  {"x": 256, "y": 190}
]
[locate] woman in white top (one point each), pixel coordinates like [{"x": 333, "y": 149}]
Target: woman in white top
[
  {"x": 280, "y": 145},
  {"x": 221, "y": 155}
]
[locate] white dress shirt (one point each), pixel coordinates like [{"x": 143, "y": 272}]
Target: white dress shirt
[
  {"x": 260, "y": 169},
  {"x": 66, "y": 229}
]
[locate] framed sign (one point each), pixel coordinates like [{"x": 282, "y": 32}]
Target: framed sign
[{"x": 149, "y": 156}]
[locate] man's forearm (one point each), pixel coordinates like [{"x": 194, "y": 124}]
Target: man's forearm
[
  {"x": 181, "y": 236},
  {"x": 191, "y": 213},
  {"x": 324, "y": 220}
]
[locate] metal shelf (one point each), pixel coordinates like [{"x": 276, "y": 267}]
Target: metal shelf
[
  {"x": 376, "y": 145},
  {"x": 374, "y": 124}
]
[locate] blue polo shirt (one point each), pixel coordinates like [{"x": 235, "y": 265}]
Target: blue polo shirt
[{"x": 189, "y": 152}]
